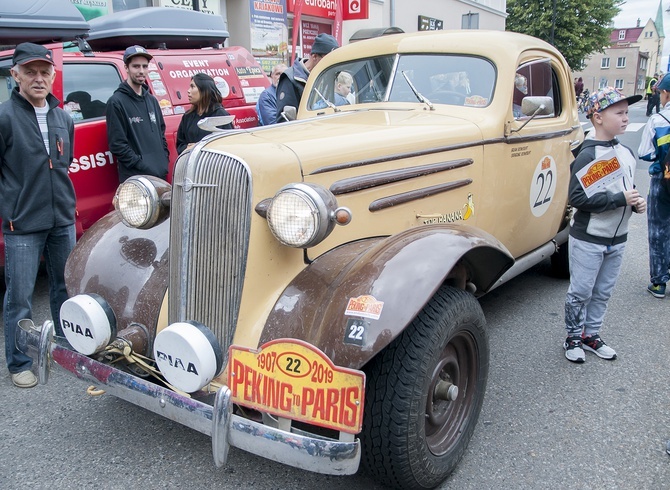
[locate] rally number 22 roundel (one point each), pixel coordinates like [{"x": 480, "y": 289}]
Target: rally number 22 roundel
[{"x": 543, "y": 186}]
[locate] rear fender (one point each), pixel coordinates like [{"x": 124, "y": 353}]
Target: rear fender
[{"x": 354, "y": 300}]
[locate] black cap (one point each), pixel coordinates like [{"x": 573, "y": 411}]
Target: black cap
[
  {"x": 28, "y": 52},
  {"x": 135, "y": 51},
  {"x": 324, "y": 44}
]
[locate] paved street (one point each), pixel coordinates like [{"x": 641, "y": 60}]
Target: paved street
[{"x": 546, "y": 423}]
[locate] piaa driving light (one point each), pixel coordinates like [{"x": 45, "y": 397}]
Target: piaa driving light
[
  {"x": 302, "y": 215},
  {"x": 141, "y": 201}
]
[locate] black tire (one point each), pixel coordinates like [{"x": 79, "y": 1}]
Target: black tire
[
  {"x": 411, "y": 440},
  {"x": 560, "y": 262}
]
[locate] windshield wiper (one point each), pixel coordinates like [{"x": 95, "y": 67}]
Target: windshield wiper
[
  {"x": 418, "y": 95},
  {"x": 326, "y": 101}
]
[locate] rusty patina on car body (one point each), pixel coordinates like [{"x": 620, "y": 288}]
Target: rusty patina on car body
[{"x": 449, "y": 170}]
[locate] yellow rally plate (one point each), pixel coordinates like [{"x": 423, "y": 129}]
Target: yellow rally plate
[{"x": 293, "y": 379}]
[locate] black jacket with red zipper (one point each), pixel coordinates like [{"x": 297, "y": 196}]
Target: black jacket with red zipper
[{"x": 36, "y": 192}]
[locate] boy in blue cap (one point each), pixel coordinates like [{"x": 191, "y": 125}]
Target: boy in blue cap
[{"x": 601, "y": 191}]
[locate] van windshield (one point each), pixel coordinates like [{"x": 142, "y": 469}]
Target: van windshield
[{"x": 441, "y": 78}]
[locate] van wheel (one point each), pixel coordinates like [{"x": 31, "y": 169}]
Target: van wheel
[
  {"x": 560, "y": 262},
  {"x": 424, "y": 393}
]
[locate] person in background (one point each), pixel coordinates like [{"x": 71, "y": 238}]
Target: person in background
[
  {"x": 206, "y": 101},
  {"x": 292, "y": 81},
  {"x": 654, "y": 147},
  {"x": 135, "y": 125},
  {"x": 599, "y": 228},
  {"x": 266, "y": 107},
  {"x": 37, "y": 199},
  {"x": 579, "y": 86},
  {"x": 653, "y": 99},
  {"x": 343, "y": 84}
]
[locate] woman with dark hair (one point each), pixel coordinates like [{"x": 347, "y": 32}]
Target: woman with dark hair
[{"x": 205, "y": 100}]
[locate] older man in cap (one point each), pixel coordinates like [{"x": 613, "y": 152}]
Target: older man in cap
[
  {"x": 36, "y": 196},
  {"x": 292, "y": 81},
  {"x": 135, "y": 125}
]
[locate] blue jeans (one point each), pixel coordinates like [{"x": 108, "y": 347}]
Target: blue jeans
[
  {"x": 22, "y": 260},
  {"x": 658, "y": 229},
  {"x": 594, "y": 270}
]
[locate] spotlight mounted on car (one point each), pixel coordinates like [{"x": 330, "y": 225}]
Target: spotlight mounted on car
[
  {"x": 302, "y": 215},
  {"x": 143, "y": 201}
]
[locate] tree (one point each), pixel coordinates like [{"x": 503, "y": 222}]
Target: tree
[{"x": 580, "y": 27}]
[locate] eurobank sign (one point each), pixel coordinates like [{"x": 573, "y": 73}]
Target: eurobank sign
[{"x": 326, "y": 9}]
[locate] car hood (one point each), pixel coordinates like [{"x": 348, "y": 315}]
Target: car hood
[{"x": 370, "y": 134}]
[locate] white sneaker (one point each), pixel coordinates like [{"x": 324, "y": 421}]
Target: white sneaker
[
  {"x": 24, "y": 379},
  {"x": 573, "y": 349},
  {"x": 596, "y": 345}
]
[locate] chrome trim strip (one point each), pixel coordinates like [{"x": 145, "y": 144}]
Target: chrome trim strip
[
  {"x": 353, "y": 184},
  {"x": 307, "y": 452},
  {"x": 404, "y": 197}
]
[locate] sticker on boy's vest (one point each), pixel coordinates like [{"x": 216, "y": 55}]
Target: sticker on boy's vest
[{"x": 597, "y": 175}]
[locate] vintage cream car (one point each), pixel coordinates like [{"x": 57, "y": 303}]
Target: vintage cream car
[{"x": 308, "y": 291}]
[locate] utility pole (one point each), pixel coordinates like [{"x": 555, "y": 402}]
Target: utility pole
[{"x": 553, "y": 21}]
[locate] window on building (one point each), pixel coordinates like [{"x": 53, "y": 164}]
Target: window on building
[
  {"x": 621, "y": 62},
  {"x": 622, "y": 34},
  {"x": 618, "y": 83},
  {"x": 603, "y": 83},
  {"x": 643, "y": 64},
  {"x": 605, "y": 63},
  {"x": 470, "y": 21},
  {"x": 640, "y": 82}
]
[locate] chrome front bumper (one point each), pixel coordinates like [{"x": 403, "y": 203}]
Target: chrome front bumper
[{"x": 320, "y": 455}]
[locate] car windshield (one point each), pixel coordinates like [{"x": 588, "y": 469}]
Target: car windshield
[{"x": 439, "y": 78}]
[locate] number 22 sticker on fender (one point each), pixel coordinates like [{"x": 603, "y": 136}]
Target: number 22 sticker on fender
[{"x": 293, "y": 379}]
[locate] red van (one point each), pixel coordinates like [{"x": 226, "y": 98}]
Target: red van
[{"x": 90, "y": 68}]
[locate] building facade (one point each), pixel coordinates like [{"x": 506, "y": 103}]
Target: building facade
[
  {"x": 272, "y": 30},
  {"x": 633, "y": 57}
]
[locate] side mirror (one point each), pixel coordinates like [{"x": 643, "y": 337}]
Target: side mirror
[
  {"x": 290, "y": 113},
  {"x": 543, "y": 105}
]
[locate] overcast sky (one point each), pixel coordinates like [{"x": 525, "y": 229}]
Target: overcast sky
[{"x": 644, "y": 10}]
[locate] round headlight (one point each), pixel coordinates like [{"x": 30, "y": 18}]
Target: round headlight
[
  {"x": 139, "y": 202},
  {"x": 301, "y": 215}
]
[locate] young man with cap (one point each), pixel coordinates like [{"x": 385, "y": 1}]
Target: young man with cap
[
  {"x": 135, "y": 125},
  {"x": 654, "y": 147},
  {"x": 37, "y": 199},
  {"x": 292, "y": 81},
  {"x": 602, "y": 193}
]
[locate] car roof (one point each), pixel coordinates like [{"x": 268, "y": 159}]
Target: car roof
[{"x": 40, "y": 21}]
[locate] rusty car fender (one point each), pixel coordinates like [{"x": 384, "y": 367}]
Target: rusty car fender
[
  {"x": 354, "y": 300},
  {"x": 127, "y": 266}
]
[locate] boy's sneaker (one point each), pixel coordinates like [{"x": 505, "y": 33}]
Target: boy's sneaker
[
  {"x": 596, "y": 345},
  {"x": 656, "y": 290},
  {"x": 573, "y": 349}
]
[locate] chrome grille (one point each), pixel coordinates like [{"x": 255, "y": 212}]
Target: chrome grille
[{"x": 209, "y": 235}]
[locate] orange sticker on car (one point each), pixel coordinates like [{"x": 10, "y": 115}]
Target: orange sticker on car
[
  {"x": 366, "y": 306},
  {"x": 293, "y": 379}
]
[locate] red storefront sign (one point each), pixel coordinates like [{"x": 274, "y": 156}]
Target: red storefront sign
[{"x": 326, "y": 9}]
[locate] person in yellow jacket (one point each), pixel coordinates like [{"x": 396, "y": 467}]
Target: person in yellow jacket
[{"x": 653, "y": 98}]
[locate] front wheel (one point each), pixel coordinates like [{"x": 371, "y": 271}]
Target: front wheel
[{"x": 424, "y": 393}]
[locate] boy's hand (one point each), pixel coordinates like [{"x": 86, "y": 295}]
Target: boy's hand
[
  {"x": 640, "y": 206},
  {"x": 631, "y": 197}
]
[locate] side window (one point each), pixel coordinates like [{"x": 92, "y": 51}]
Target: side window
[
  {"x": 538, "y": 84},
  {"x": 6, "y": 81},
  {"x": 87, "y": 87}
]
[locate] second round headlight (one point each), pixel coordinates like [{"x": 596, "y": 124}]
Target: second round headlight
[
  {"x": 138, "y": 200},
  {"x": 300, "y": 215}
]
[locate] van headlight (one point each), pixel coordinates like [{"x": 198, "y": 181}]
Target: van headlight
[
  {"x": 143, "y": 201},
  {"x": 302, "y": 215}
]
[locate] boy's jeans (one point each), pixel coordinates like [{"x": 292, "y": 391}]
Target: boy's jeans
[
  {"x": 658, "y": 227},
  {"x": 593, "y": 273},
  {"x": 22, "y": 260}
]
